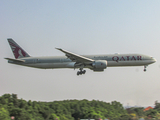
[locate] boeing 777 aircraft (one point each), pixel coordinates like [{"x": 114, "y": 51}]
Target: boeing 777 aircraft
[{"x": 96, "y": 63}]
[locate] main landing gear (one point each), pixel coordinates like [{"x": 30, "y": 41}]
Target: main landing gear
[
  {"x": 81, "y": 71},
  {"x": 145, "y": 68}
]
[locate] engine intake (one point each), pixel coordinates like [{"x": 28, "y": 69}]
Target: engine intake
[{"x": 99, "y": 65}]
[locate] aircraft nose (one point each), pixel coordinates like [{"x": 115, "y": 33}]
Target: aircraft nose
[{"x": 154, "y": 60}]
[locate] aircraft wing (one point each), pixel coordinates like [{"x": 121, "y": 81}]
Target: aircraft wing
[
  {"x": 15, "y": 60},
  {"x": 76, "y": 58}
]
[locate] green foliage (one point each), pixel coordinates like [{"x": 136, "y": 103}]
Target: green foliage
[
  {"x": 157, "y": 106},
  {"x": 138, "y": 111},
  {"x": 54, "y": 116},
  {"x": 21, "y": 109},
  {"x": 4, "y": 114},
  {"x": 151, "y": 113}
]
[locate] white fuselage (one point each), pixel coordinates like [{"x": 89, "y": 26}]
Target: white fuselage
[
  {"x": 113, "y": 60},
  {"x": 71, "y": 60}
]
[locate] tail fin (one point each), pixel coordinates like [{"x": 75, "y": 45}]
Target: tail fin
[{"x": 17, "y": 50}]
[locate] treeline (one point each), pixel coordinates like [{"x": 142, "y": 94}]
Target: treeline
[{"x": 21, "y": 109}]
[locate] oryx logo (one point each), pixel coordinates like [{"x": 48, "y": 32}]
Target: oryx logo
[{"x": 18, "y": 52}]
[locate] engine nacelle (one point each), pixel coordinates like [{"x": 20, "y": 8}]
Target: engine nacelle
[{"x": 99, "y": 65}]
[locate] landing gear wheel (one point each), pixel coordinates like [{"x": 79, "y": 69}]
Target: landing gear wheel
[
  {"x": 84, "y": 71},
  {"x": 145, "y": 68},
  {"x": 78, "y": 73},
  {"x": 81, "y": 72}
]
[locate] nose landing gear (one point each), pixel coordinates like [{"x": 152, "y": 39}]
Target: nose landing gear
[{"x": 145, "y": 68}]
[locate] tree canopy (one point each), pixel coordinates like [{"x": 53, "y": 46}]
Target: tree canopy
[{"x": 21, "y": 109}]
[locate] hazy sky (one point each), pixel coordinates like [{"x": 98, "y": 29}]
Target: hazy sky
[{"x": 83, "y": 27}]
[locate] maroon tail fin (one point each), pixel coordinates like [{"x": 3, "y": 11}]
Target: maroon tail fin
[{"x": 17, "y": 50}]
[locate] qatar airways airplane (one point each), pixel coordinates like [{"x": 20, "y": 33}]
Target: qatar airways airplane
[{"x": 96, "y": 63}]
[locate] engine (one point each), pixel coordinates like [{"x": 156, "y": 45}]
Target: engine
[{"x": 99, "y": 65}]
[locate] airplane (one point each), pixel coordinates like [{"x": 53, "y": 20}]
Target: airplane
[{"x": 97, "y": 63}]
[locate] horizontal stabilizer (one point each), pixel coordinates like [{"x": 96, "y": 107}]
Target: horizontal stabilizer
[{"x": 15, "y": 60}]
